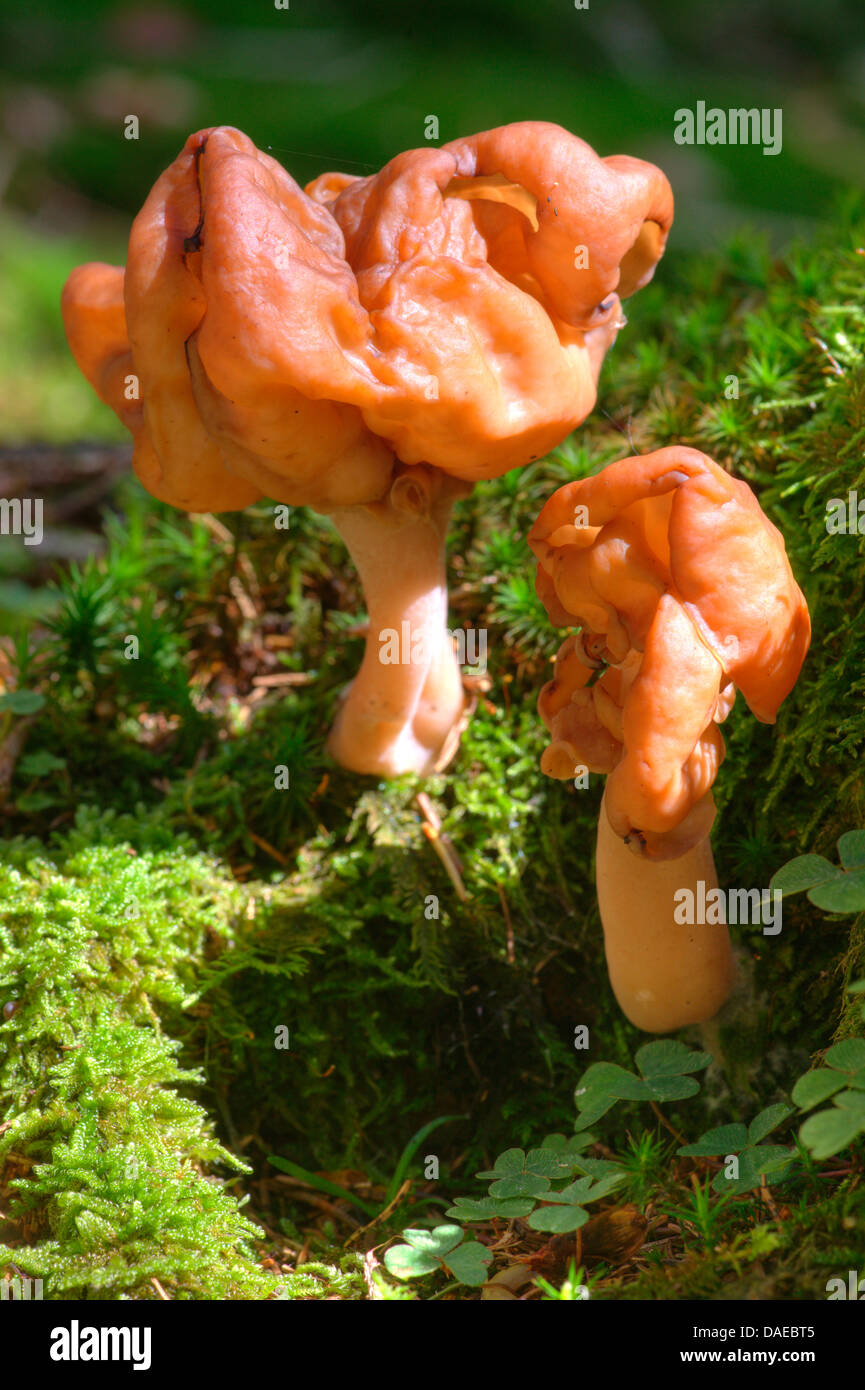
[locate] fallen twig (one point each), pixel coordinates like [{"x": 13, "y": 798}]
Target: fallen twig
[
  {"x": 431, "y": 827},
  {"x": 382, "y": 1214}
]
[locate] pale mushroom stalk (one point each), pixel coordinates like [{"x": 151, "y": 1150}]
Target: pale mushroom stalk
[
  {"x": 665, "y": 974},
  {"x": 684, "y": 594},
  {"x": 402, "y": 711}
]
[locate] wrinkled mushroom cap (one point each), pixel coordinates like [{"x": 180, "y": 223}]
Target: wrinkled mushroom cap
[
  {"x": 454, "y": 309},
  {"x": 684, "y": 593}
]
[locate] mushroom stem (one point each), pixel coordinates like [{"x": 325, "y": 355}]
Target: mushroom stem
[
  {"x": 665, "y": 974},
  {"x": 402, "y": 711}
]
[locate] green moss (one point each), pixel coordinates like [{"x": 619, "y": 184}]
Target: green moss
[{"x": 105, "y": 1157}]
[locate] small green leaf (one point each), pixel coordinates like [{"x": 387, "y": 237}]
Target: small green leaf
[
  {"x": 21, "y": 701},
  {"x": 33, "y": 802},
  {"x": 768, "y": 1158},
  {"x": 468, "y": 1263},
  {"x": 508, "y": 1164},
  {"x": 436, "y": 1242},
  {"x": 853, "y": 1101},
  {"x": 487, "y": 1208},
  {"x": 767, "y": 1120},
  {"x": 574, "y": 1193},
  {"x": 848, "y": 1055},
  {"x": 404, "y": 1262},
  {"x": 844, "y": 894},
  {"x": 668, "y": 1057},
  {"x": 605, "y": 1185},
  {"x": 39, "y": 764},
  {"x": 808, "y": 871},
  {"x": 605, "y": 1079},
  {"x": 523, "y": 1185},
  {"x": 594, "y": 1110},
  {"x": 851, "y": 849},
  {"x": 585, "y": 1189},
  {"x": 816, "y": 1086},
  {"x": 830, "y": 1131},
  {"x": 857, "y": 987},
  {"x": 672, "y": 1087},
  {"x": 725, "y": 1139},
  {"x": 754, "y": 1163},
  {"x": 601, "y": 1168},
  {"x": 575, "y": 1142},
  {"x": 546, "y": 1163},
  {"x": 540, "y": 1163},
  {"x": 559, "y": 1220}
]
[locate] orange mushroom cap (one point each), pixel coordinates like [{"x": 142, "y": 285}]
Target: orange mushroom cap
[
  {"x": 682, "y": 587},
  {"x": 445, "y": 319},
  {"x": 452, "y": 310}
]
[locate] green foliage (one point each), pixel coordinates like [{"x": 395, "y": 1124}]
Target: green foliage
[
  {"x": 842, "y": 1078},
  {"x": 409, "y": 1152},
  {"x": 319, "y": 1279},
  {"x": 573, "y": 1290},
  {"x": 707, "y": 1217},
  {"x": 320, "y": 1184},
  {"x": 443, "y": 1247},
  {"x": 755, "y": 1159},
  {"x": 665, "y": 1066},
  {"x": 833, "y": 889},
  {"x": 643, "y": 1163},
  {"x": 97, "y": 941},
  {"x": 522, "y": 1180},
  {"x": 21, "y": 702},
  {"x": 42, "y": 392}
]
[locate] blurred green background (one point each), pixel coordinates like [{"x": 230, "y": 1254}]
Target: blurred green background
[
  {"x": 333, "y": 84},
  {"x": 330, "y": 84}
]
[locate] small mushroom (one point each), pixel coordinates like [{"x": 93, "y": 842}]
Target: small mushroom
[
  {"x": 682, "y": 590},
  {"x": 369, "y": 347}
]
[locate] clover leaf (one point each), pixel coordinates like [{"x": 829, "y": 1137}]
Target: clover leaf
[
  {"x": 21, "y": 701},
  {"x": 567, "y": 1210},
  {"x": 442, "y": 1248},
  {"x": 842, "y": 1078},
  {"x": 830, "y": 1131},
  {"x": 537, "y": 1163},
  {"x": 489, "y": 1208},
  {"x": 573, "y": 1144},
  {"x": 665, "y": 1066},
  {"x": 755, "y": 1160},
  {"x": 831, "y": 888}
]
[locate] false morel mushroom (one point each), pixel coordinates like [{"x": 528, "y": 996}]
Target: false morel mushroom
[
  {"x": 369, "y": 347},
  {"x": 683, "y": 594}
]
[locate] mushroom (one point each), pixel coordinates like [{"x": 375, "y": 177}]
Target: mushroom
[
  {"x": 369, "y": 347},
  {"x": 683, "y": 594}
]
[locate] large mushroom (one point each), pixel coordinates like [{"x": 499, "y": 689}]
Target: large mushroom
[
  {"x": 683, "y": 594},
  {"x": 369, "y": 347}
]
